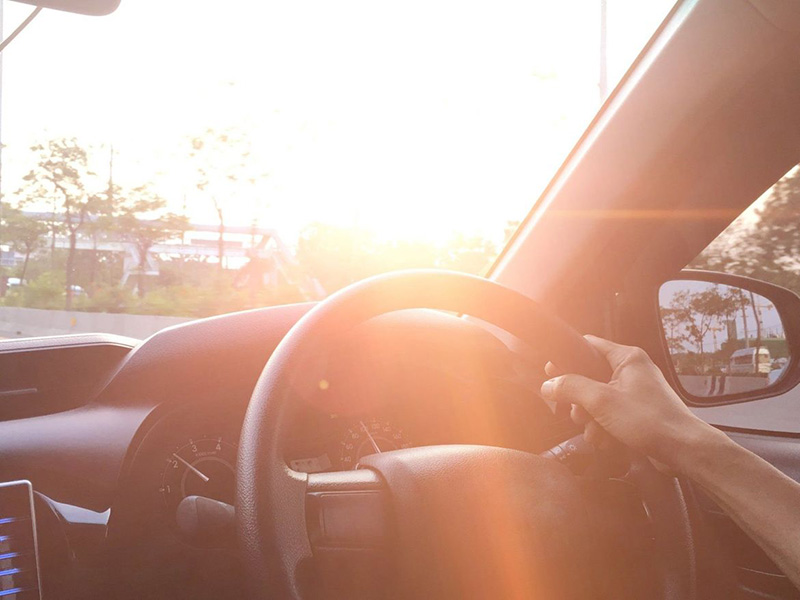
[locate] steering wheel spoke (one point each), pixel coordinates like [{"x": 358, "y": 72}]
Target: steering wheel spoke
[{"x": 347, "y": 520}]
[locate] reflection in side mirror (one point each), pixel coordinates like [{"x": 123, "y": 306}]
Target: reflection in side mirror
[{"x": 722, "y": 339}]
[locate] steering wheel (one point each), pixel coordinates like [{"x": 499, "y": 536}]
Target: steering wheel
[{"x": 433, "y": 522}]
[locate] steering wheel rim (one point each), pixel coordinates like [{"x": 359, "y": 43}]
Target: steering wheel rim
[{"x": 271, "y": 498}]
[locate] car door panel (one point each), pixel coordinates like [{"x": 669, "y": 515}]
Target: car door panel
[{"x": 756, "y": 574}]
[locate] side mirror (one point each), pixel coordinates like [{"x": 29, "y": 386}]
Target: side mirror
[{"x": 729, "y": 338}]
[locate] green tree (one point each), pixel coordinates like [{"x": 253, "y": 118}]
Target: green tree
[
  {"x": 740, "y": 302},
  {"x": 62, "y": 167},
  {"x": 225, "y": 173},
  {"x": 99, "y": 226},
  {"x": 692, "y": 315},
  {"x": 714, "y": 306},
  {"x": 144, "y": 221},
  {"x": 674, "y": 319},
  {"x": 33, "y": 195},
  {"x": 764, "y": 244},
  {"x": 24, "y": 234},
  {"x": 773, "y": 248}
]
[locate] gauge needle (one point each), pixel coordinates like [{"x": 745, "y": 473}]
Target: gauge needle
[
  {"x": 371, "y": 439},
  {"x": 192, "y": 468}
]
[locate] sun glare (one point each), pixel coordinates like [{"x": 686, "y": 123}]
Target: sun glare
[
  {"x": 191, "y": 158},
  {"x": 413, "y": 120}
]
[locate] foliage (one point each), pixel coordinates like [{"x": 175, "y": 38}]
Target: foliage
[
  {"x": 62, "y": 169},
  {"x": 142, "y": 219},
  {"x": 24, "y": 234},
  {"x": 338, "y": 256},
  {"x": 46, "y": 291},
  {"x": 108, "y": 299},
  {"x": 64, "y": 198},
  {"x": 766, "y": 247},
  {"x": 222, "y": 173},
  {"x": 702, "y": 311}
]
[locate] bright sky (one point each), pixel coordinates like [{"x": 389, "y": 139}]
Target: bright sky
[{"x": 414, "y": 118}]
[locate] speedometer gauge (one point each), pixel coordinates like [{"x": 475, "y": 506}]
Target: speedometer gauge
[
  {"x": 371, "y": 436},
  {"x": 201, "y": 467}
]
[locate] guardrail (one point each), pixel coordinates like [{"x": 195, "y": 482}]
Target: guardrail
[
  {"x": 33, "y": 322},
  {"x": 705, "y": 386}
]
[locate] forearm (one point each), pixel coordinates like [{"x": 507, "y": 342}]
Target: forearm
[
  {"x": 639, "y": 408},
  {"x": 760, "y": 499}
]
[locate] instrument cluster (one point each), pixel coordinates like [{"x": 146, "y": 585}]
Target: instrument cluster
[
  {"x": 345, "y": 449},
  {"x": 190, "y": 455}
]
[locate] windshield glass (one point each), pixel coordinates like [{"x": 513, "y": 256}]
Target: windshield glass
[{"x": 182, "y": 159}]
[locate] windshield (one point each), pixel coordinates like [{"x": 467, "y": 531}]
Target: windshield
[{"x": 184, "y": 159}]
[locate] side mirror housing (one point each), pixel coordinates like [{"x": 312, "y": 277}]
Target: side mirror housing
[{"x": 729, "y": 338}]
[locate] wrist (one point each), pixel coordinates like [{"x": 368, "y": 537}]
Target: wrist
[{"x": 701, "y": 449}]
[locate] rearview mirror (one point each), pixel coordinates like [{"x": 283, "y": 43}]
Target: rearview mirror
[
  {"x": 729, "y": 338},
  {"x": 84, "y": 7}
]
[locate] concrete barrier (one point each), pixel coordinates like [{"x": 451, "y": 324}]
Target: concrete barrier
[
  {"x": 33, "y": 322},
  {"x": 705, "y": 386}
]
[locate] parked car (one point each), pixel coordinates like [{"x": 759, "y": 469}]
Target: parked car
[{"x": 750, "y": 361}]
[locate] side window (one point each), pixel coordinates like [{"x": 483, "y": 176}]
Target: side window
[{"x": 762, "y": 243}]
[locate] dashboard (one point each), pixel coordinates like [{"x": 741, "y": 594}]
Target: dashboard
[{"x": 162, "y": 426}]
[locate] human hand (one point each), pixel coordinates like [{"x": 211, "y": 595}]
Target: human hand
[{"x": 636, "y": 407}]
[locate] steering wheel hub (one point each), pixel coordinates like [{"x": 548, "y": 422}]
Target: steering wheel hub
[{"x": 484, "y": 522}]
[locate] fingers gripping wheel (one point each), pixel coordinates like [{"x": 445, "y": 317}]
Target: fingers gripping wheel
[{"x": 273, "y": 523}]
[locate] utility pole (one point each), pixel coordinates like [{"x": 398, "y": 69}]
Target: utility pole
[
  {"x": 110, "y": 175},
  {"x": 603, "y": 80},
  {"x": 183, "y": 231}
]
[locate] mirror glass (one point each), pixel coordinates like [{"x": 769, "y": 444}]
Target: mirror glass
[{"x": 722, "y": 339}]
